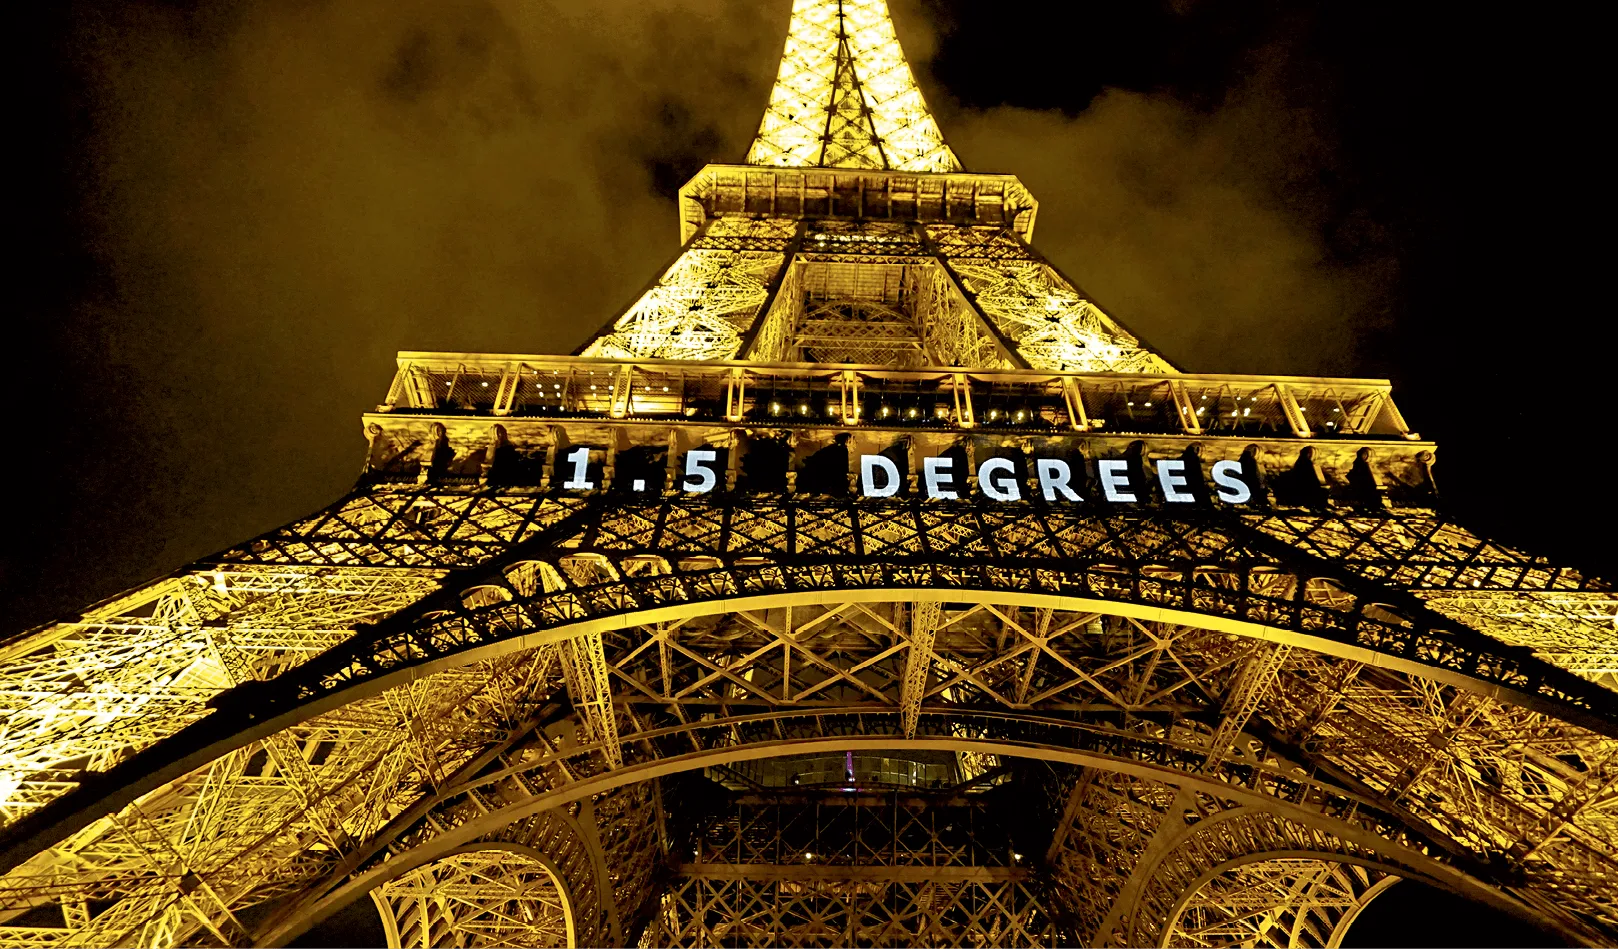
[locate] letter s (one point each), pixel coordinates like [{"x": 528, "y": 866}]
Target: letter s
[{"x": 1232, "y": 489}]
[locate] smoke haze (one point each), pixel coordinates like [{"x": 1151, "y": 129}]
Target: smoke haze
[{"x": 267, "y": 199}]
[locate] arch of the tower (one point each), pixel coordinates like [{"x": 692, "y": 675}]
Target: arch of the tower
[
  {"x": 1300, "y": 899},
  {"x": 1200, "y": 861},
  {"x": 622, "y": 642},
  {"x": 1393, "y": 758},
  {"x": 1149, "y": 863},
  {"x": 506, "y": 895},
  {"x": 1296, "y": 883},
  {"x": 580, "y": 599}
]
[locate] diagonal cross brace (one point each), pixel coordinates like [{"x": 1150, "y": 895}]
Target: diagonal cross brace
[
  {"x": 924, "y": 618},
  {"x": 1251, "y": 684},
  {"x": 584, "y": 663},
  {"x": 1596, "y": 786}
]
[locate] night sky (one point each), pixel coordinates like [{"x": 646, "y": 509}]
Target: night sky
[{"x": 233, "y": 214}]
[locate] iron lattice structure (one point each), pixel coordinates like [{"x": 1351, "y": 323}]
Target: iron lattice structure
[{"x": 525, "y": 686}]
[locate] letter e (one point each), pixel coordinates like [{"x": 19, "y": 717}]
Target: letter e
[
  {"x": 1171, "y": 474},
  {"x": 1115, "y": 480},
  {"x": 936, "y": 472}
]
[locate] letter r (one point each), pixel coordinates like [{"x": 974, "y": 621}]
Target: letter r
[{"x": 1054, "y": 475}]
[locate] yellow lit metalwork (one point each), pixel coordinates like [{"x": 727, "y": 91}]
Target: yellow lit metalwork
[
  {"x": 845, "y": 97},
  {"x": 701, "y": 305},
  {"x": 483, "y": 698},
  {"x": 1049, "y": 323},
  {"x": 80, "y": 696},
  {"x": 1052, "y": 325},
  {"x": 484, "y": 898}
]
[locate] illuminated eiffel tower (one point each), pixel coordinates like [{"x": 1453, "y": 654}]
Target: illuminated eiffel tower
[{"x": 863, "y": 583}]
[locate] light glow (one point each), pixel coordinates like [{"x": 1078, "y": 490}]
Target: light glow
[{"x": 845, "y": 96}]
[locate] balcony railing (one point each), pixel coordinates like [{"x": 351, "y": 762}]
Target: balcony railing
[
  {"x": 856, "y": 194},
  {"x": 564, "y": 387}
]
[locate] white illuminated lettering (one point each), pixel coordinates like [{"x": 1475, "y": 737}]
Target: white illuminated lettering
[
  {"x": 579, "y": 458},
  {"x": 936, "y": 472},
  {"x": 1115, "y": 477},
  {"x": 1054, "y": 475},
  {"x": 1004, "y": 489},
  {"x": 1171, "y": 474},
  {"x": 696, "y": 466},
  {"x": 869, "y": 466},
  {"x": 1232, "y": 488}
]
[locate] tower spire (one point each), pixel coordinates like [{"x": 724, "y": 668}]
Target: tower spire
[{"x": 845, "y": 96}]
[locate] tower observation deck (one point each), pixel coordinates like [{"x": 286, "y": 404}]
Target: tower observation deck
[{"x": 864, "y": 582}]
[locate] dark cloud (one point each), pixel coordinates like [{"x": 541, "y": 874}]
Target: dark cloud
[
  {"x": 267, "y": 200},
  {"x": 1170, "y": 218},
  {"x": 1190, "y": 175},
  {"x": 249, "y": 207}
]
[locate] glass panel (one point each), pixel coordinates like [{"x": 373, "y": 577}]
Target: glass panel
[
  {"x": 1020, "y": 405},
  {"x": 923, "y": 402},
  {"x": 1228, "y": 407},
  {"x": 784, "y": 398},
  {"x": 1337, "y": 411},
  {"x": 1132, "y": 406}
]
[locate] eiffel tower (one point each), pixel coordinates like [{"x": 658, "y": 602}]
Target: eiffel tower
[{"x": 863, "y": 583}]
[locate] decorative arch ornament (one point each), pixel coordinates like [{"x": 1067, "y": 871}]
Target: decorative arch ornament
[
  {"x": 493, "y": 896},
  {"x": 1282, "y": 902}
]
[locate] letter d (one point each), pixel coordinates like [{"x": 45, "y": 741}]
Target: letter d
[{"x": 869, "y": 466}]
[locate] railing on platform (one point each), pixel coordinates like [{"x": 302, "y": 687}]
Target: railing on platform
[
  {"x": 948, "y": 398},
  {"x": 857, "y": 194}
]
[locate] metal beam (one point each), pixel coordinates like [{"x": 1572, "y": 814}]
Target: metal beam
[
  {"x": 584, "y": 662},
  {"x": 589, "y": 832},
  {"x": 924, "y": 619},
  {"x": 1247, "y": 691},
  {"x": 894, "y": 874}
]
